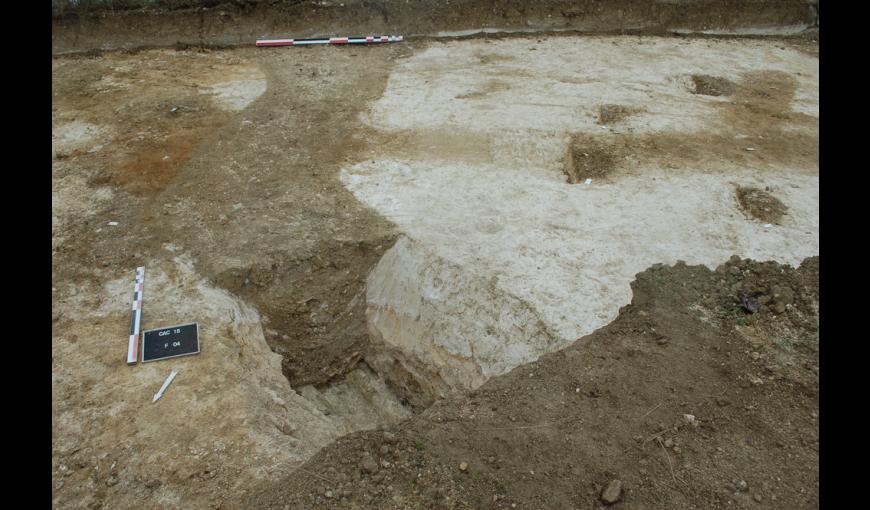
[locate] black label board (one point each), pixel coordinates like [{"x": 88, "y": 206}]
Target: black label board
[{"x": 170, "y": 342}]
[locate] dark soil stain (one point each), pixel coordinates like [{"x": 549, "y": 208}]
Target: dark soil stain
[
  {"x": 613, "y": 113},
  {"x": 757, "y": 116},
  {"x": 712, "y": 85},
  {"x": 585, "y": 160},
  {"x": 491, "y": 87},
  {"x": 760, "y": 204}
]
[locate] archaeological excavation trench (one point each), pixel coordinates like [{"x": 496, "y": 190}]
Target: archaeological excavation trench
[
  {"x": 537, "y": 245},
  {"x": 364, "y": 232},
  {"x": 507, "y": 253}
]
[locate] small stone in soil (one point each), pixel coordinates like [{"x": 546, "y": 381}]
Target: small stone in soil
[
  {"x": 612, "y": 492},
  {"x": 368, "y": 465}
]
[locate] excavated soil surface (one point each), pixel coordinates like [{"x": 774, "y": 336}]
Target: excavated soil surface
[
  {"x": 585, "y": 162},
  {"x": 761, "y": 204},
  {"x": 500, "y": 260},
  {"x": 218, "y": 172},
  {"x": 613, "y": 113},
  {"x": 223, "y": 173},
  {"x": 253, "y": 196},
  {"x": 686, "y": 400},
  {"x": 712, "y": 85}
]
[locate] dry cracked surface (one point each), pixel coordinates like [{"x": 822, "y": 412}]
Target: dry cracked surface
[{"x": 362, "y": 232}]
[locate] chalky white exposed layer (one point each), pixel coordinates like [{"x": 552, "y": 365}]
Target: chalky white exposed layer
[
  {"x": 558, "y": 84},
  {"x": 242, "y": 86},
  {"x": 503, "y": 236}
]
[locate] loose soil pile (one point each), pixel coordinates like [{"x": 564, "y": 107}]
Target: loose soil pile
[{"x": 686, "y": 400}]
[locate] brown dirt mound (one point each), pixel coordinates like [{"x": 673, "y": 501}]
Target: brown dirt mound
[
  {"x": 760, "y": 204},
  {"x": 686, "y": 399}
]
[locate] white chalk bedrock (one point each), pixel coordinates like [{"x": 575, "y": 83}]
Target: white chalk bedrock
[{"x": 502, "y": 260}]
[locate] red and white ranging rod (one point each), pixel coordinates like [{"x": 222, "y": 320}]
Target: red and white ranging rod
[
  {"x": 136, "y": 319},
  {"x": 371, "y": 39}
]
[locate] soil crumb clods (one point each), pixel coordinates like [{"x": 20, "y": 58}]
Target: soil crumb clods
[{"x": 760, "y": 204}]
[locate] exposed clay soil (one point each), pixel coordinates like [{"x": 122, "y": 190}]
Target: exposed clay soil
[
  {"x": 686, "y": 399},
  {"x": 760, "y": 204}
]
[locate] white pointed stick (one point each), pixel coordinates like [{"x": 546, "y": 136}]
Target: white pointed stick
[{"x": 165, "y": 385}]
